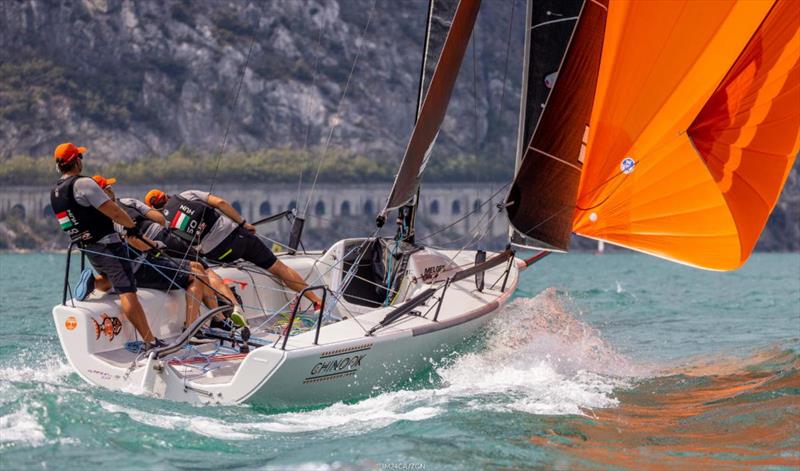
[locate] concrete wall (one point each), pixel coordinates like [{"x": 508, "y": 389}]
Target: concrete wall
[{"x": 441, "y": 204}]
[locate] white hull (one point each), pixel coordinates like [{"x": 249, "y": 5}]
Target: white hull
[{"x": 345, "y": 364}]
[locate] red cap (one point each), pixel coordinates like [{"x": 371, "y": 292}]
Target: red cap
[
  {"x": 155, "y": 198},
  {"x": 104, "y": 182},
  {"x": 67, "y": 152}
]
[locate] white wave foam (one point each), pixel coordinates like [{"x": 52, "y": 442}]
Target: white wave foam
[
  {"x": 48, "y": 372},
  {"x": 539, "y": 359},
  {"x": 21, "y": 427},
  {"x": 369, "y": 414},
  {"x": 197, "y": 424},
  {"x": 357, "y": 418}
]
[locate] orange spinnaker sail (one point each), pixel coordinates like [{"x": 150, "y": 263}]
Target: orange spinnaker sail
[{"x": 694, "y": 129}]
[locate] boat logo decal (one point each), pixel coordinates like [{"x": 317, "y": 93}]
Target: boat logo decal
[
  {"x": 431, "y": 273},
  {"x": 627, "y": 165},
  {"x": 334, "y": 369},
  {"x": 343, "y": 351},
  {"x": 110, "y": 326},
  {"x": 104, "y": 375},
  {"x": 71, "y": 323},
  {"x": 319, "y": 379}
]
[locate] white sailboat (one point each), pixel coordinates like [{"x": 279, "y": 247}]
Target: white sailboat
[
  {"x": 387, "y": 333},
  {"x": 434, "y": 298}
]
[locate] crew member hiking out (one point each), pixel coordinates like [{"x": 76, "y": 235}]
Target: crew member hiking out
[
  {"x": 222, "y": 233},
  {"x": 88, "y": 215},
  {"x": 154, "y": 226},
  {"x": 159, "y": 272}
]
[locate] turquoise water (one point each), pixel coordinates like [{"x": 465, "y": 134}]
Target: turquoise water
[{"x": 613, "y": 361}]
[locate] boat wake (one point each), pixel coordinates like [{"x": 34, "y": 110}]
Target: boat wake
[{"x": 541, "y": 359}]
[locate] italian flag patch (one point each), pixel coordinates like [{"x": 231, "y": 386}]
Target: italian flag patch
[
  {"x": 64, "y": 220},
  {"x": 180, "y": 221}
]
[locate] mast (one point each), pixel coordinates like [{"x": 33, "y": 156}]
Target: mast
[{"x": 407, "y": 214}]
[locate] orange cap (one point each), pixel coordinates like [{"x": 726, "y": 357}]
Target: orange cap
[
  {"x": 66, "y": 152},
  {"x": 104, "y": 182},
  {"x": 155, "y": 198}
]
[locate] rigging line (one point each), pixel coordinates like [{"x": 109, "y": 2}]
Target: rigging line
[
  {"x": 475, "y": 102},
  {"x": 233, "y": 112},
  {"x": 289, "y": 301},
  {"x": 351, "y": 314},
  {"x": 474, "y": 210},
  {"x": 308, "y": 102},
  {"x": 319, "y": 259},
  {"x": 165, "y": 276},
  {"x": 478, "y": 236},
  {"x": 478, "y": 223},
  {"x": 508, "y": 51},
  {"x": 225, "y": 136},
  {"x": 335, "y": 123}
]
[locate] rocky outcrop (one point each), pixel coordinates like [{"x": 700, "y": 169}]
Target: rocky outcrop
[{"x": 130, "y": 78}]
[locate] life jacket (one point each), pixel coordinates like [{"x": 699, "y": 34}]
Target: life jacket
[
  {"x": 149, "y": 228},
  {"x": 188, "y": 219},
  {"x": 83, "y": 224},
  {"x": 133, "y": 213}
]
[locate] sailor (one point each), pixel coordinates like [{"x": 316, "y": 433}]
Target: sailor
[
  {"x": 88, "y": 215},
  {"x": 222, "y": 234},
  {"x": 152, "y": 226}
]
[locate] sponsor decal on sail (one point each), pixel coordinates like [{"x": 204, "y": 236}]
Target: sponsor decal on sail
[{"x": 627, "y": 165}]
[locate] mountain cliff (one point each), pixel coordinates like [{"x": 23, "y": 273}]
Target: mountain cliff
[{"x": 130, "y": 79}]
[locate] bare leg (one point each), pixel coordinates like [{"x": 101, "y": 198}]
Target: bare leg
[
  {"x": 293, "y": 280},
  {"x": 102, "y": 283},
  {"x": 194, "y": 293},
  {"x": 219, "y": 285},
  {"x": 199, "y": 272},
  {"x": 212, "y": 280},
  {"x": 133, "y": 310}
]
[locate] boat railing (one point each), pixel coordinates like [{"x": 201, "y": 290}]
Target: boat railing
[
  {"x": 295, "y": 233},
  {"x": 182, "y": 339},
  {"x": 420, "y": 299},
  {"x": 66, "y": 270},
  {"x": 300, "y": 295}
]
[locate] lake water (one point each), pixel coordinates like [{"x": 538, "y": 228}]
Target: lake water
[{"x": 612, "y": 361}]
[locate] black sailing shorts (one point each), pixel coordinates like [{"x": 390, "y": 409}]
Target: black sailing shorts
[
  {"x": 112, "y": 261},
  {"x": 244, "y": 245},
  {"x": 178, "y": 248},
  {"x": 162, "y": 274}
]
